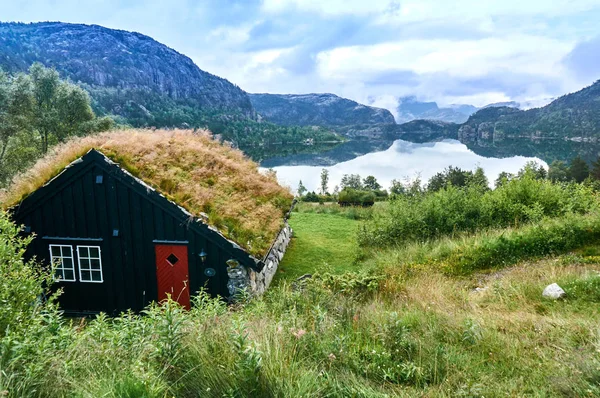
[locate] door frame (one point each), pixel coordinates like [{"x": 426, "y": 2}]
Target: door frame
[{"x": 177, "y": 270}]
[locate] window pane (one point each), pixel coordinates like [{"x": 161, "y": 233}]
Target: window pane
[
  {"x": 58, "y": 273},
  {"x": 67, "y": 263},
  {"x": 94, "y": 252},
  {"x": 85, "y": 275},
  {"x": 66, "y": 251},
  {"x": 69, "y": 275},
  {"x": 96, "y": 276},
  {"x": 84, "y": 263},
  {"x": 95, "y": 264},
  {"x": 55, "y": 251}
]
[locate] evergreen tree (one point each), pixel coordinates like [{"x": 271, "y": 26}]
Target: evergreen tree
[
  {"x": 579, "y": 169},
  {"x": 478, "y": 179},
  {"x": 558, "y": 171},
  {"x": 595, "y": 172}
]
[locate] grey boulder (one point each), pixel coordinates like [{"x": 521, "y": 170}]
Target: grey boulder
[{"x": 554, "y": 292}]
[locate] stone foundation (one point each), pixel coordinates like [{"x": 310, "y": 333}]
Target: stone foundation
[{"x": 255, "y": 283}]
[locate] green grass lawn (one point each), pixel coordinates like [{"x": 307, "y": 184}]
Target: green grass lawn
[{"x": 321, "y": 242}]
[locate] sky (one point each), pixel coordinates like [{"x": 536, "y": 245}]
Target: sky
[{"x": 373, "y": 51}]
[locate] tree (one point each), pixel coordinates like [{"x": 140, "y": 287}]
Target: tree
[
  {"x": 351, "y": 181},
  {"x": 301, "y": 189},
  {"x": 478, "y": 179},
  {"x": 397, "y": 187},
  {"x": 60, "y": 109},
  {"x": 324, "y": 181},
  {"x": 503, "y": 178},
  {"x": 533, "y": 170},
  {"x": 595, "y": 172},
  {"x": 38, "y": 110},
  {"x": 371, "y": 183},
  {"x": 558, "y": 171},
  {"x": 454, "y": 176},
  {"x": 579, "y": 169}
]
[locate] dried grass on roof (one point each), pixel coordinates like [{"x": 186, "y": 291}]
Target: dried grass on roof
[{"x": 190, "y": 168}]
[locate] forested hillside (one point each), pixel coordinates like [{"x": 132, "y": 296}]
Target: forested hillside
[{"x": 574, "y": 116}]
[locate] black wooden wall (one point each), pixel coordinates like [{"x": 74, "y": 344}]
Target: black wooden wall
[{"x": 75, "y": 208}]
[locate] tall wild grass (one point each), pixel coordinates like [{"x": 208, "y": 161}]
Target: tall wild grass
[{"x": 354, "y": 335}]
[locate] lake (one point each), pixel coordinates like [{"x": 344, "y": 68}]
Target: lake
[{"x": 387, "y": 160}]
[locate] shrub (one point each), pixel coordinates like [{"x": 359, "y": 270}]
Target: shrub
[
  {"x": 456, "y": 210},
  {"x": 354, "y": 197},
  {"x": 511, "y": 246}
]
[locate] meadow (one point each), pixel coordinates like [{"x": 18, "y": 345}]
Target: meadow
[{"x": 459, "y": 313}]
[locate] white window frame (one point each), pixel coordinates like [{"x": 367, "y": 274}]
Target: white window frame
[
  {"x": 60, "y": 266},
  {"x": 90, "y": 269}
]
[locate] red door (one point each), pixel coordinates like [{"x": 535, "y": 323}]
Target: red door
[{"x": 172, "y": 273}]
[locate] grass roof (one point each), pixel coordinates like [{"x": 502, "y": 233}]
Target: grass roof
[{"x": 191, "y": 169}]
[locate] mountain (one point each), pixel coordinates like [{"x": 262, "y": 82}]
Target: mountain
[
  {"x": 508, "y": 104},
  {"x": 126, "y": 73},
  {"x": 317, "y": 110},
  {"x": 409, "y": 108},
  {"x": 573, "y": 116}
]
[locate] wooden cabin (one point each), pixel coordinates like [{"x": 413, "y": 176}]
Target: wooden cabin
[{"x": 118, "y": 243}]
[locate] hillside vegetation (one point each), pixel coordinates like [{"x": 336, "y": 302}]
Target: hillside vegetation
[
  {"x": 191, "y": 168},
  {"x": 575, "y": 115}
]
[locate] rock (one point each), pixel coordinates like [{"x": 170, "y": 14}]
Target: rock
[
  {"x": 125, "y": 62},
  {"x": 554, "y": 292},
  {"x": 317, "y": 110}
]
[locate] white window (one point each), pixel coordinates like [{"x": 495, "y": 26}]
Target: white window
[
  {"x": 61, "y": 257},
  {"x": 90, "y": 264}
]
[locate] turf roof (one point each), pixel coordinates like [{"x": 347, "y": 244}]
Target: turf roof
[{"x": 190, "y": 168}]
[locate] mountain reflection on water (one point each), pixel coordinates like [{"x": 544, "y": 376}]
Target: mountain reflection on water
[
  {"x": 387, "y": 161},
  {"x": 401, "y": 159}
]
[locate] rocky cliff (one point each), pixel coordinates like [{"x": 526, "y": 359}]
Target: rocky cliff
[
  {"x": 123, "y": 66},
  {"x": 317, "y": 110},
  {"x": 409, "y": 109}
]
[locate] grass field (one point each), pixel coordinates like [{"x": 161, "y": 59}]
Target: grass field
[
  {"x": 392, "y": 332},
  {"x": 321, "y": 242}
]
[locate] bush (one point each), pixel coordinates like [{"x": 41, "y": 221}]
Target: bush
[
  {"x": 509, "y": 247},
  {"x": 457, "y": 210},
  {"x": 354, "y": 197}
]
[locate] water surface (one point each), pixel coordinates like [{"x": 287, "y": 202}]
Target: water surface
[{"x": 402, "y": 160}]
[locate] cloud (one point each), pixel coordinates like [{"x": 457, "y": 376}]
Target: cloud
[
  {"x": 370, "y": 51},
  {"x": 584, "y": 60}
]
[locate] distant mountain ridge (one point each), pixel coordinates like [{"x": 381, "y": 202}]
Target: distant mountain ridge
[
  {"x": 573, "y": 116},
  {"x": 119, "y": 67},
  {"x": 317, "y": 110},
  {"x": 409, "y": 109}
]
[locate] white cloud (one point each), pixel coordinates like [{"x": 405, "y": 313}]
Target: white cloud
[
  {"x": 465, "y": 58},
  {"x": 459, "y": 51}
]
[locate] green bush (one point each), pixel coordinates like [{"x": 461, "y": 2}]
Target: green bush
[
  {"x": 457, "y": 210},
  {"x": 506, "y": 248},
  {"x": 355, "y": 197}
]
